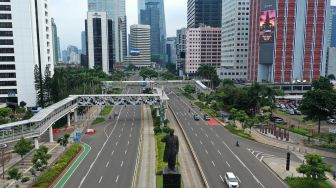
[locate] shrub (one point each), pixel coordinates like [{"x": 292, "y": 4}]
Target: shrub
[
  {"x": 156, "y": 130},
  {"x": 98, "y": 120},
  {"x": 306, "y": 182},
  {"x": 25, "y": 179}
]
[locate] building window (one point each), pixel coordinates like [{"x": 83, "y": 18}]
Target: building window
[
  {"x": 6, "y": 51},
  {"x": 7, "y": 67},
  {"x": 6, "y": 33},
  {"x": 5, "y": 8},
  {"x": 7, "y": 83},
  {"x": 5, "y": 25},
  {"x": 7, "y": 75},
  {"x": 6, "y": 42},
  {"x": 7, "y": 58},
  {"x": 5, "y": 16},
  {"x": 7, "y": 91}
]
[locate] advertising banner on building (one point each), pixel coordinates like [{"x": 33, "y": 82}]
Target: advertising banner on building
[{"x": 267, "y": 25}]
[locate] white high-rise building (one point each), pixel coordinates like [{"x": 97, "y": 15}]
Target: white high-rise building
[
  {"x": 100, "y": 46},
  {"x": 140, "y": 46},
  {"x": 235, "y": 26},
  {"x": 25, "y": 41}
]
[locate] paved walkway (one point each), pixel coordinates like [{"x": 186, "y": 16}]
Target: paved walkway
[
  {"x": 146, "y": 177},
  {"x": 188, "y": 167}
]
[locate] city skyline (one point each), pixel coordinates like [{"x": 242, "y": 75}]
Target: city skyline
[{"x": 71, "y": 25}]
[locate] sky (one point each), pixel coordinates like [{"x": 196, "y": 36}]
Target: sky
[{"x": 69, "y": 17}]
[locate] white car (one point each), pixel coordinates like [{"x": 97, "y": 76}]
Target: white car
[{"x": 231, "y": 180}]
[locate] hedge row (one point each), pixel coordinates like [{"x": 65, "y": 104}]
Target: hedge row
[
  {"x": 52, "y": 173},
  {"x": 306, "y": 182}
]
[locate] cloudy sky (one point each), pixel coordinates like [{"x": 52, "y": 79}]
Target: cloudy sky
[{"x": 69, "y": 16}]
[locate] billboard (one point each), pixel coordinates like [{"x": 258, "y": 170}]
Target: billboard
[
  {"x": 135, "y": 52},
  {"x": 267, "y": 25}
]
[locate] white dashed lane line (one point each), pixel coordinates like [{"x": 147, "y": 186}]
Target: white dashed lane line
[
  {"x": 206, "y": 151},
  {"x": 107, "y": 164},
  {"x": 122, "y": 163},
  {"x": 117, "y": 143},
  {"x": 125, "y": 152},
  {"x": 101, "y": 177},
  {"x": 213, "y": 163},
  {"x": 221, "y": 178},
  {"x": 228, "y": 164},
  {"x": 112, "y": 153},
  {"x": 117, "y": 179}
]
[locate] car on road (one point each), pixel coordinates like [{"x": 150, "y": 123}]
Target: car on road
[
  {"x": 331, "y": 121},
  {"x": 206, "y": 117},
  {"x": 90, "y": 131},
  {"x": 196, "y": 117},
  {"x": 231, "y": 180}
]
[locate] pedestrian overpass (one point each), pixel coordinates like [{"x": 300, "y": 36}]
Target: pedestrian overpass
[{"x": 43, "y": 120}]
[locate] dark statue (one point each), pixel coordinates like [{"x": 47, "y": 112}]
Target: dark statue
[{"x": 171, "y": 149}]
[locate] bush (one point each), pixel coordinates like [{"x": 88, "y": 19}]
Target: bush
[
  {"x": 98, "y": 120},
  {"x": 106, "y": 111},
  {"x": 52, "y": 173},
  {"x": 156, "y": 130},
  {"x": 306, "y": 182},
  {"x": 25, "y": 179},
  {"x": 237, "y": 132},
  {"x": 166, "y": 129}
]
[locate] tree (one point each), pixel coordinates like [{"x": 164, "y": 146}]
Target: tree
[
  {"x": 209, "y": 72},
  {"x": 14, "y": 173},
  {"x": 331, "y": 77},
  {"x": 28, "y": 115},
  {"x": 63, "y": 141},
  {"x": 4, "y": 112},
  {"x": 131, "y": 67},
  {"x": 314, "y": 167},
  {"x": 320, "y": 102},
  {"x": 22, "y": 104},
  {"x": 148, "y": 73},
  {"x": 189, "y": 89},
  {"x": 40, "y": 158},
  {"x": 22, "y": 147},
  {"x": 171, "y": 68},
  {"x": 39, "y": 85}
]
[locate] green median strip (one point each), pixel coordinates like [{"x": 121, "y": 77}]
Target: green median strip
[{"x": 73, "y": 167}]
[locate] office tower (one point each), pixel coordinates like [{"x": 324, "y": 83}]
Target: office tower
[
  {"x": 181, "y": 37},
  {"x": 26, "y": 41},
  {"x": 140, "y": 51},
  {"x": 171, "y": 50},
  {"x": 83, "y": 40},
  {"x": 235, "y": 26},
  {"x": 287, "y": 40},
  {"x": 331, "y": 64},
  {"x": 204, "y": 13},
  {"x": 59, "y": 49},
  {"x": 116, "y": 11},
  {"x": 153, "y": 14},
  {"x": 332, "y": 27},
  {"x": 64, "y": 56},
  {"x": 99, "y": 30},
  {"x": 203, "y": 46},
  {"x": 54, "y": 39}
]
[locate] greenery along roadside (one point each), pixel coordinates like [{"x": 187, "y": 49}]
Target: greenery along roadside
[
  {"x": 47, "y": 178},
  {"x": 237, "y": 132},
  {"x": 301, "y": 182}
]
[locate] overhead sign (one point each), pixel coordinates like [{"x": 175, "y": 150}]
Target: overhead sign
[{"x": 135, "y": 52}]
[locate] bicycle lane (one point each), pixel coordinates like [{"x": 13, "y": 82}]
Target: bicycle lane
[{"x": 73, "y": 167}]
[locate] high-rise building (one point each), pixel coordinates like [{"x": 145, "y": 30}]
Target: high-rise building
[
  {"x": 181, "y": 38},
  {"x": 54, "y": 39},
  {"x": 287, "y": 40},
  {"x": 332, "y": 27},
  {"x": 116, "y": 11},
  {"x": 234, "y": 40},
  {"x": 59, "y": 49},
  {"x": 26, "y": 43},
  {"x": 83, "y": 40},
  {"x": 153, "y": 14},
  {"x": 331, "y": 64},
  {"x": 99, "y": 29},
  {"x": 204, "y": 13},
  {"x": 203, "y": 46},
  {"x": 140, "y": 51},
  {"x": 171, "y": 50}
]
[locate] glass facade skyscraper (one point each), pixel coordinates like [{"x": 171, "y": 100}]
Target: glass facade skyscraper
[
  {"x": 204, "y": 13},
  {"x": 151, "y": 12},
  {"x": 333, "y": 26}
]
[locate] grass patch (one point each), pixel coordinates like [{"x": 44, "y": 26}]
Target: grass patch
[
  {"x": 52, "y": 173},
  {"x": 159, "y": 181},
  {"x": 106, "y": 110},
  {"x": 159, "y": 146},
  {"x": 209, "y": 111},
  {"x": 300, "y": 182},
  {"x": 186, "y": 95},
  {"x": 98, "y": 120},
  {"x": 237, "y": 132}
]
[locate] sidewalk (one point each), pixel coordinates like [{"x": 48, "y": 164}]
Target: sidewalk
[
  {"x": 146, "y": 177},
  {"x": 188, "y": 168}
]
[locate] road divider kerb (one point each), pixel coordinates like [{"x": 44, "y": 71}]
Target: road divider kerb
[
  {"x": 74, "y": 165},
  {"x": 139, "y": 153},
  {"x": 200, "y": 170}
]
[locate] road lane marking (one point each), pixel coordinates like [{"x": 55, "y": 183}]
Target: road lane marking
[
  {"x": 212, "y": 142},
  {"x": 117, "y": 143},
  {"x": 125, "y": 152},
  {"x": 192, "y": 129},
  {"x": 243, "y": 164},
  {"x": 130, "y": 135},
  {"x": 206, "y": 151},
  {"x": 196, "y": 134},
  {"x": 117, "y": 179},
  {"x": 127, "y": 142},
  {"x": 217, "y": 135},
  {"x": 228, "y": 164},
  {"x": 131, "y": 129},
  {"x": 119, "y": 135},
  {"x": 101, "y": 177},
  {"x": 122, "y": 129},
  {"x": 258, "y": 154},
  {"x": 221, "y": 178},
  {"x": 262, "y": 157},
  {"x": 238, "y": 179},
  {"x": 206, "y": 135},
  {"x": 213, "y": 163},
  {"x": 107, "y": 164},
  {"x": 122, "y": 162},
  {"x": 201, "y": 142},
  {"x": 112, "y": 153},
  {"x": 219, "y": 152}
]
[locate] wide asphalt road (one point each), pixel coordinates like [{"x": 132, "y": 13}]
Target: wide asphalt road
[
  {"x": 217, "y": 153},
  {"x": 111, "y": 161}
]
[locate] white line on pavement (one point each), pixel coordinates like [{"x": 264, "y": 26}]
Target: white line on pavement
[
  {"x": 206, "y": 135},
  {"x": 119, "y": 135},
  {"x": 112, "y": 153},
  {"x": 127, "y": 142},
  {"x": 125, "y": 152},
  {"x": 262, "y": 157},
  {"x": 206, "y": 151},
  {"x": 221, "y": 178},
  {"x": 201, "y": 142},
  {"x": 192, "y": 129},
  {"x": 212, "y": 142},
  {"x": 195, "y": 134},
  {"x": 117, "y": 143},
  {"x": 219, "y": 152},
  {"x": 131, "y": 129},
  {"x": 258, "y": 154},
  {"x": 130, "y": 135},
  {"x": 228, "y": 164},
  {"x": 238, "y": 179},
  {"x": 122, "y": 162},
  {"x": 101, "y": 177},
  {"x": 117, "y": 179},
  {"x": 107, "y": 164},
  {"x": 213, "y": 163}
]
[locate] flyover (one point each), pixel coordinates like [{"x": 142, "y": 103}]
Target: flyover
[{"x": 43, "y": 121}]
